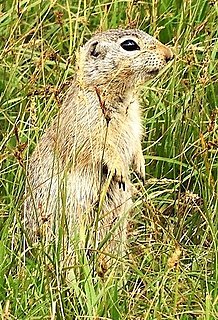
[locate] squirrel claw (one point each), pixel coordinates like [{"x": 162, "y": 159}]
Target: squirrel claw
[
  {"x": 120, "y": 179},
  {"x": 122, "y": 185},
  {"x": 140, "y": 175}
]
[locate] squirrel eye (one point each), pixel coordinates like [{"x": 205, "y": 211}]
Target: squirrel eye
[
  {"x": 129, "y": 45},
  {"x": 93, "y": 50}
]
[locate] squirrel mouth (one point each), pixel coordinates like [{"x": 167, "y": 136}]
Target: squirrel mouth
[{"x": 153, "y": 72}]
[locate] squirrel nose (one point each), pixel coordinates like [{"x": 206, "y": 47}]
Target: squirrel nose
[
  {"x": 169, "y": 56},
  {"x": 165, "y": 51}
]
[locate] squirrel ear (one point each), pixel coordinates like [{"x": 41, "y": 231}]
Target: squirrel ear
[{"x": 94, "y": 51}]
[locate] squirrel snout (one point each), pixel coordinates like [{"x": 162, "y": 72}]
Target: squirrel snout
[
  {"x": 169, "y": 55},
  {"x": 165, "y": 51}
]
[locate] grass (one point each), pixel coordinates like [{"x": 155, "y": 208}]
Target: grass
[{"x": 172, "y": 270}]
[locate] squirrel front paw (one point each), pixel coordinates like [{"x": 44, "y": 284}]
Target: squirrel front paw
[
  {"x": 118, "y": 175},
  {"x": 120, "y": 178}
]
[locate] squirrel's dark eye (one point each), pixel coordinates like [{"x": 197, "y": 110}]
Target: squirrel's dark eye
[
  {"x": 129, "y": 45},
  {"x": 93, "y": 49}
]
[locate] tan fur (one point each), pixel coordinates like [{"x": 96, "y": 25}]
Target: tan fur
[{"x": 79, "y": 173}]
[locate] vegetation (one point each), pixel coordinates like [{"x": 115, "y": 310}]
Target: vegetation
[{"x": 172, "y": 268}]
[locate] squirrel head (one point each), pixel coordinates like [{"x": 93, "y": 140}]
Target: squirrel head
[{"x": 118, "y": 57}]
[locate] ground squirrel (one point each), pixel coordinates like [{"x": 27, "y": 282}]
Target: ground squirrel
[{"x": 79, "y": 173}]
